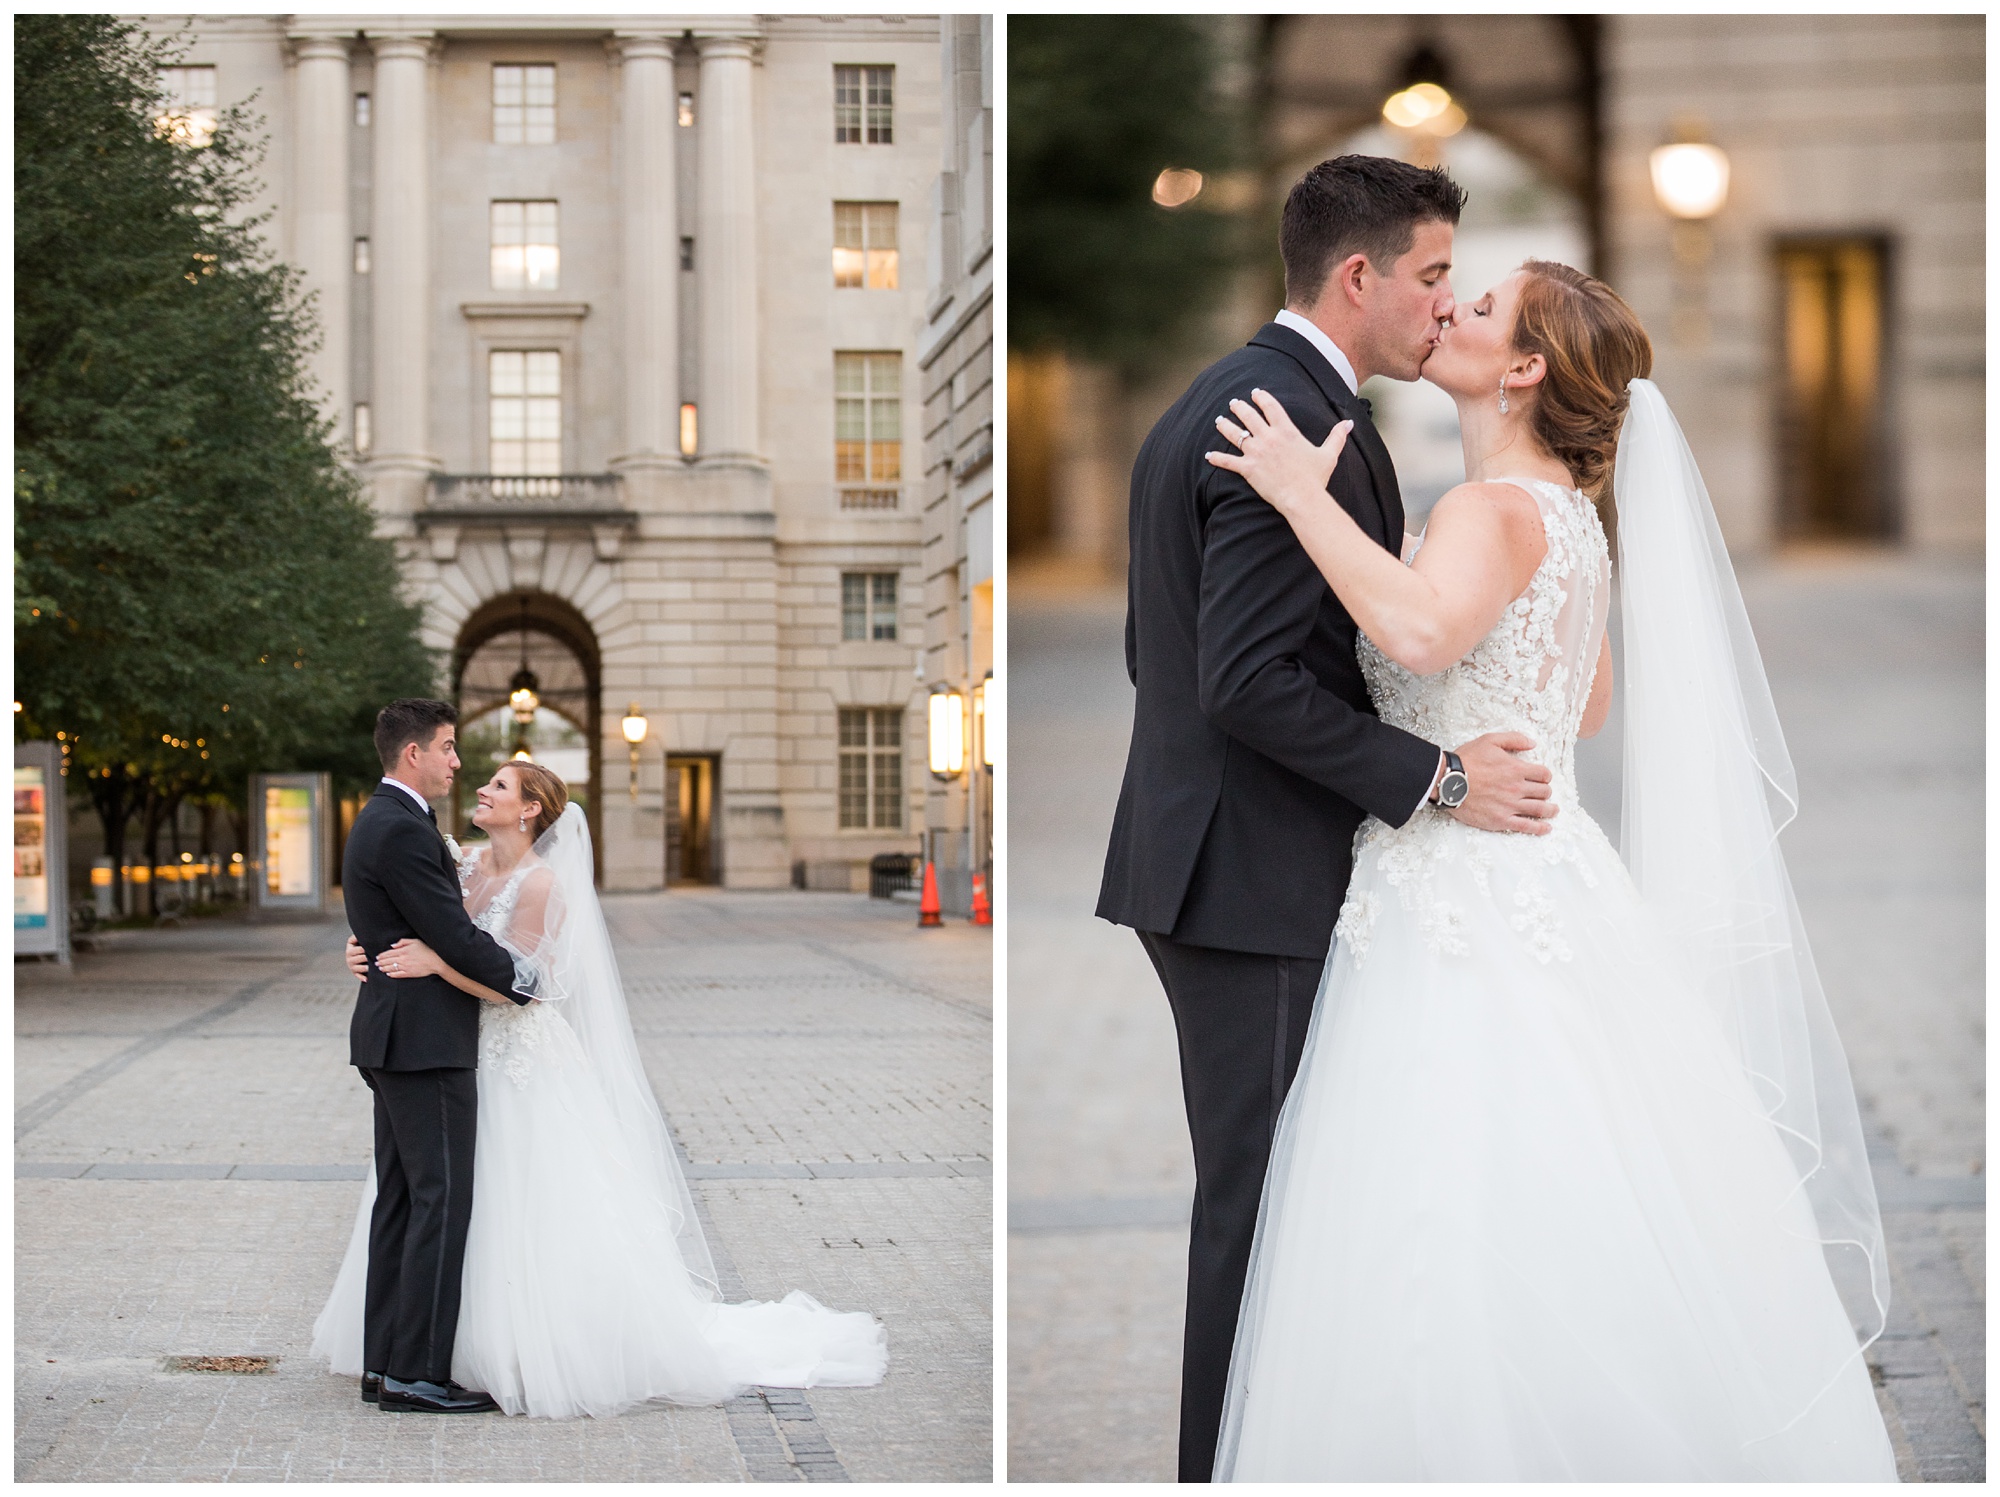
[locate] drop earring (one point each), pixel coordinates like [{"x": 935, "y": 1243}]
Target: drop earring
[
  {"x": 522, "y": 826},
  {"x": 1503, "y": 394}
]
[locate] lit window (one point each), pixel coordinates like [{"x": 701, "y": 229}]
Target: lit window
[
  {"x": 864, "y": 245},
  {"x": 524, "y": 104},
  {"x": 867, "y": 428},
  {"x": 361, "y": 110},
  {"x": 868, "y": 605},
  {"x": 361, "y": 257},
  {"x": 189, "y": 116},
  {"x": 871, "y": 767},
  {"x": 864, "y": 101},
  {"x": 690, "y": 433},
  {"x": 524, "y": 407},
  {"x": 364, "y": 430},
  {"x": 525, "y": 255},
  {"x": 686, "y": 112}
]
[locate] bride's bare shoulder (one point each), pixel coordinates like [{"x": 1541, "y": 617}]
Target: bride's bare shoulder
[{"x": 1509, "y": 506}]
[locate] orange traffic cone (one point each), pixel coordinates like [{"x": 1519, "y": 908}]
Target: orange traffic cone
[
  {"x": 930, "y": 911},
  {"x": 982, "y": 909}
]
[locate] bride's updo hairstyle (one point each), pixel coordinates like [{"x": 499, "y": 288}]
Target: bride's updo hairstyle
[
  {"x": 1594, "y": 346},
  {"x": 545, "y": 786}
]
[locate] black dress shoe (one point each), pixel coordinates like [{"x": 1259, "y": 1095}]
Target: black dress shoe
[
  {"x": 371, "y": 1387},
  {"x": 434, "y": 1398}
]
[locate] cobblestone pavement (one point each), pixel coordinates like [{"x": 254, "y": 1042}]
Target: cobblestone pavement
[
  {"x": 189, "y": 1135},
  {"x": 1877, "y": 664}
]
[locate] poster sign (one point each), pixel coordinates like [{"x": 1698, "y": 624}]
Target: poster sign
[
  {"x": 41, "y": 901},
  {"x": 292, "y": 831},
  {"x": 31, "y": 869}
]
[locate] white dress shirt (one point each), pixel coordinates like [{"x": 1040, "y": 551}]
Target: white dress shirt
[
  {"x": 422, "y": 804},
  {"x": 1309, "y": 330}
]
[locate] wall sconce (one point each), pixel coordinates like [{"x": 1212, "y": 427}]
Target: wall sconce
[
  {"x": 634, "y": 726},
  {"x": 1690, "y": 183},
  {"x": 947, "y": 733},
  {"x": 989, "y": 720},
  {"x": 1690, "y": 179}
]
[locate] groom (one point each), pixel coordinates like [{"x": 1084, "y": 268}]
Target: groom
[
  {"x": 1255, "y": 749},
  {"x": 416, "y": 1043}
]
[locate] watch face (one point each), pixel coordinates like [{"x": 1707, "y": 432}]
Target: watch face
[{"x": 1452, "y": 790}]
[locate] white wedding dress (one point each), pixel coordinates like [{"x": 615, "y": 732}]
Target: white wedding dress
[
  {"x": 1527, "y": 1218},
  {"x": 588, "y": 1288}
]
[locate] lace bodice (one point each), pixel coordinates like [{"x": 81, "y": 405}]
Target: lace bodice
[
  {"x": 1532, "y": 673},
  {"x": 509, "y": 1033}
]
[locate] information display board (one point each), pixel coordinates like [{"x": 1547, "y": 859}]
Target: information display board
[
  {"x": 292, "y": 833},
  {"x": 41, "y": 898}
]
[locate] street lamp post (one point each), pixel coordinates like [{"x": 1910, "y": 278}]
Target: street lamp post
[{"x": 634, "y": 726}]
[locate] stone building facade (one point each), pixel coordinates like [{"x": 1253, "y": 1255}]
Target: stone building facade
[
  {"x": 624, "y": 327},
  {"x": 955, "y": 356}
]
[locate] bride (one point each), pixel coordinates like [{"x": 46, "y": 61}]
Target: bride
[
  {"x": 1554, "y": 1193},
  {"x": 588, "y": 1286}
]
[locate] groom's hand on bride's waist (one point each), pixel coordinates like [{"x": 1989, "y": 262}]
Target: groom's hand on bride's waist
[{"x": 1508, "y": 792}]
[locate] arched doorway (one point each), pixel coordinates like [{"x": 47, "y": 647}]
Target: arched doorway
[{"x": 546, "y": 637}]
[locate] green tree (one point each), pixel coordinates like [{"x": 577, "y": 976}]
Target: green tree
[
  {"x": 1097, "y": 107},
  {"x": 205, "y": 595}
]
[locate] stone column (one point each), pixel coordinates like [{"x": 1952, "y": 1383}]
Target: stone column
[
  {"x": 401, "y": 257},
  {"x": 322, "y": 233},
  {"x": 726, "y": 252},
  {"x": 650, "y": 322}
]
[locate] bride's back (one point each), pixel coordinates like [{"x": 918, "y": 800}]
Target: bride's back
[{"x": 1532, "y": 673}]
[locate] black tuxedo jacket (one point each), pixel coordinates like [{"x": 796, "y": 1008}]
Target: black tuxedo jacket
[
  {"x": 1255, "y": 749},
  {"x": 398, "y": 880}
]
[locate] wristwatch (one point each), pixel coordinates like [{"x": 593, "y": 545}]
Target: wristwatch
[{"x": 1453, "y": 786}]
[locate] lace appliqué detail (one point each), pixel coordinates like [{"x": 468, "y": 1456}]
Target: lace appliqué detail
[
  {"x": 1531, "y": 674},
  {"x": 510, "y": 1033},
  {"x": 509, "y": 1038}
]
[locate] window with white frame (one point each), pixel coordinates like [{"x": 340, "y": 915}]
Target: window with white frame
[
  {"x": 526, "y": 255},
  {"x": 867, "y": 605},
  {"x": 524, "y": 412},
  {"x": 864, "y": 105},
  {"x": 868, "y": 428},
  {"x": 864, "y": 246},
  {"x": 871, "y": 767},
  {"x": 188, "y": 118},
  {"x": 524, "y": 104}
]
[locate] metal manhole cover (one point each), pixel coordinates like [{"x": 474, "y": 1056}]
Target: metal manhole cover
[{"x": 239, "y": 1365}]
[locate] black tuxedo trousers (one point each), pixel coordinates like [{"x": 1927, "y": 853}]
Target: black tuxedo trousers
[{"x": 1255, "y": 754}]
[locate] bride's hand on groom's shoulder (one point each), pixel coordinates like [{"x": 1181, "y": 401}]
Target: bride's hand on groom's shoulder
[{"x": 1274, "y": 455}]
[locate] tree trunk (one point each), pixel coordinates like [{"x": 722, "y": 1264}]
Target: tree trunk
[{"x": 111, "y": 798}]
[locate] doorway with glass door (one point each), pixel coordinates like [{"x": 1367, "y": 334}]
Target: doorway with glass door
[{"x": 692, "y": 854}]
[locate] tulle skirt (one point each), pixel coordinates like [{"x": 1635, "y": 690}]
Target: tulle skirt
[
  {"x": 1525, "y": 1220},
  {"x": 575, "y": 1297}
]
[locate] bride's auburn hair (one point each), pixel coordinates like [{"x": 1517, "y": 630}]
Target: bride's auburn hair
[
  {"x": 1594, "y": 347},
  {"x": 545, "y": 786}
]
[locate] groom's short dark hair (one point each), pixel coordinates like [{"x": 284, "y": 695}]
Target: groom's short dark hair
[
  {"x": 408, "y": 720},
  {"x": 1368, "y": 205}
]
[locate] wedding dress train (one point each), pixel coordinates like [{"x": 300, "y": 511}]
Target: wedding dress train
[
  {"x": 587, "y": 1287},
  {"x": 1529, "y": 1216}
]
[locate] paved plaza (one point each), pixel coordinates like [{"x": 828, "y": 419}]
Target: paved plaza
[
  {"x": 190, "y": 1142},
  {"x": 1877, "y": 664}
]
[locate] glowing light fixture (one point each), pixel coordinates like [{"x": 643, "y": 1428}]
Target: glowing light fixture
[
  {"x": 690, "y": 432},
  {"x": 633, "y": 725},
  {"x": 1176, "y": 186},
  {"x": 989, "y": 724},
  {"x": 947, "y": 733},
  {"x": 1690, "y": 179}
]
